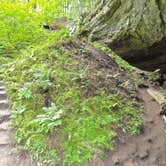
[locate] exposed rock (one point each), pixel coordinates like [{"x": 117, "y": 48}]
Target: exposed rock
[{"x": 134, "y": 29}]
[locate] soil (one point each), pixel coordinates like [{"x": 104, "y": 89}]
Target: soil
[{"x": 147, "y": 149}]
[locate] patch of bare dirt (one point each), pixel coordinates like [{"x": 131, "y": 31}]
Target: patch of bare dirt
[{"x": 103, "y": 71}]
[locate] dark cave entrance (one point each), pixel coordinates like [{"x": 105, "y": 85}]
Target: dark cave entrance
[{"x": 150, "y": 59}]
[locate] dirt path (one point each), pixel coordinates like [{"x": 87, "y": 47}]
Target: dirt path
[
  {"x": 147, "y": 149},
  {"x": 7, "y": 155}
]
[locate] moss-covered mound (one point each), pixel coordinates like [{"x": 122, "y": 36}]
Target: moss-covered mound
[{"x": 70, "y": 101}]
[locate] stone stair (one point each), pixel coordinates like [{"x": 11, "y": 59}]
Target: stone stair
[
  {"x": 5, "y": 142},
  {"x": 7, "y": 157}
]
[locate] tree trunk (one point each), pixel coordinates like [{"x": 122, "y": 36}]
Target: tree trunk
[{"x": 135, "y": 29}]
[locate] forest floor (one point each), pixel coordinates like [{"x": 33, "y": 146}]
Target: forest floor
[{"x": 148, "y": 148}]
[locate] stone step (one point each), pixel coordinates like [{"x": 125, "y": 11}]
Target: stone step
[
  {"x": 2, "y": 87},
  {"x": 1, "y": 83},
  {"x": 8, "y": 161},
  {"x": 5, "y": 113},
  {"x": 5, "y": 126},
  {"x": 4, "y": 116},
  {"x": 3, "y": 95},
  {"x": 4, "y": 104},
  {"x": 4, "y": 138},
  {"x": 5, "y": 151}
]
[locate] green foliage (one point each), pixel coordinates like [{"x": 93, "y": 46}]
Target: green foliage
[
  {"x": 25, "y": 93},
  {"x": 49, "y": 10},
  {"x": 41, "y": 71},
  {"x": 21, "y": 27},
  {"x": 83, "y": 125},
  {"x": 50, "y": 119}
]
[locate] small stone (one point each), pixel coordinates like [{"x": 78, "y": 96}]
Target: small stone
[
  {"x": 116, "y": 161},
  {"x": 144, "y": 154},
  {"x": 149, "y": 140},
  {"x": 151, "y": 121},
  {"x": 4, "y": 139},
  {"x": 4, "y": 126}
]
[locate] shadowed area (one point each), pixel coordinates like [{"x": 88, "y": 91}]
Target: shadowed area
[{"x": 150, "y": 59}]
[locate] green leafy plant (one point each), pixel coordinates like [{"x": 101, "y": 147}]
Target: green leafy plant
[
  {"x": 25, "y": 93},
  {"x": 50, "y": 118},
  {"x": 39, "y": 68}
]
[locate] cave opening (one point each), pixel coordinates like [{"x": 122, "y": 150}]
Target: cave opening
[{"x": 150, "y": 59}]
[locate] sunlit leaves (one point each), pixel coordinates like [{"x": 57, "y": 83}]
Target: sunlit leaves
[
  {"x": 50, "y": 119},
  {"x": 25, "y": 93}
]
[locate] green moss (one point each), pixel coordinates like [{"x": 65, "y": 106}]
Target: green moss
[
  {"x": 47, "y": 85},
  {"x": 88, "y": 124}
]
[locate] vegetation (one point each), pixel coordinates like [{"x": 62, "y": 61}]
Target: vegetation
[{"x": 54, "y": 114}]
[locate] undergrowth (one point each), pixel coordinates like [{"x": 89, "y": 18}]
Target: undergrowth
[
  {"x": 51, "y": 115},
  {"x": 47, "y": 85}
]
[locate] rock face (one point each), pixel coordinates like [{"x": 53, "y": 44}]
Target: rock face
[{"x": 132, "y": 28}]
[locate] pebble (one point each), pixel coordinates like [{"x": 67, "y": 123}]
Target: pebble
[
  {"x": 116, "y": 161},
  {"x": 144, "y": 154}
]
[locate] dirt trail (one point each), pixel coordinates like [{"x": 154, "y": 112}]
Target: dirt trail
[
  {"x": 147, "y": 149},
  {"x": 7, "y": 155}
]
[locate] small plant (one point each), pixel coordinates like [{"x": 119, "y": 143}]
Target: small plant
[
  {"x": 50, "y": 118},
  {"x": 25, "y": 93},
  {"x": 42, "y": 79}
]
